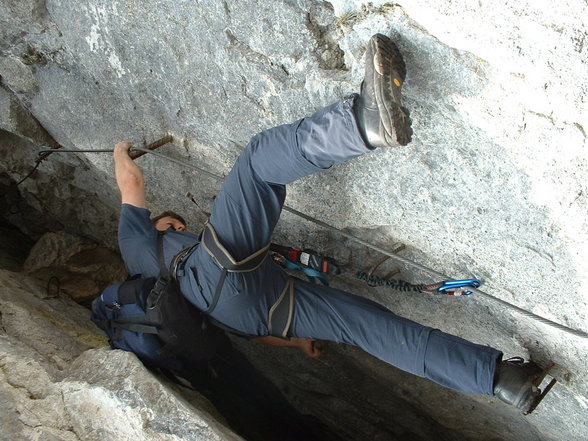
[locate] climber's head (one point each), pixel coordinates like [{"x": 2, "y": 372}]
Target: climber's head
[{"x": 167, "y": 220}]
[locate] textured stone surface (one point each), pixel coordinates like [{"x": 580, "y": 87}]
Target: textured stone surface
[
  {"x": 15, "y": 247},
  {"x": 55, "y": 386},
  {"x": 493, "y": 185},
  {"x": 61, "y": 195},
  {"x": 83, "y": 268}
]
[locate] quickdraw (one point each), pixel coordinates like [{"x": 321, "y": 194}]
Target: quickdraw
[{"x": 317, "y": 267}]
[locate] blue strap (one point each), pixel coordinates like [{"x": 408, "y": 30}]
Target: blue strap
[{"x": 312, "y": 274}]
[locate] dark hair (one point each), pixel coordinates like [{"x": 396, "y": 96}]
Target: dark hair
[{"x": 170, "y": 214}]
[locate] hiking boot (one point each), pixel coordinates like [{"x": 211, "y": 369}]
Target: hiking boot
[
  {"x": 515, "y": 383},
  {"x": 382, "y": 120}
]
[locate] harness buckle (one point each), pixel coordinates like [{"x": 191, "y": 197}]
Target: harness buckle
[{"x": 156, "y": 293}]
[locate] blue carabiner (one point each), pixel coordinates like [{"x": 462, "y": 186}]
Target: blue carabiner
[{"x": 451, "y": 285}]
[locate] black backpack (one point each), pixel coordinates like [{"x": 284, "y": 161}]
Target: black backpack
[{"x": 151, "y": 318}]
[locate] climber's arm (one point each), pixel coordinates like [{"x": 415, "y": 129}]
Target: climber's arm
[
  {"x": 312, "y": 348},
  {"x": 129, "y": 176}
]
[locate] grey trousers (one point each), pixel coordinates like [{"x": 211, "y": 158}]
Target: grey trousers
[{"x": 244, "y": 215}]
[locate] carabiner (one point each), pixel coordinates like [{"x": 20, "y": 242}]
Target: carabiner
[{"x": 453, "y": 286}]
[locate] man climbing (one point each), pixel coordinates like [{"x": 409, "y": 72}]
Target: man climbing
[{"x": 228, "y": 277}]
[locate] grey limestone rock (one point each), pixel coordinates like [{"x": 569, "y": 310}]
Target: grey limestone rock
[
  {"x": 493, "y": 185},
  {"x": 60, "y": 381}
]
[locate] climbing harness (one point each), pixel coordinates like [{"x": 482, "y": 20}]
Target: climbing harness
[
  {"x": 280, "y": 314},
  {"x": 385, "y": 252},
  {"x": 228, "y": 264}
]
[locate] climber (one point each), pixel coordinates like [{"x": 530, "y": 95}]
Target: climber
[{"x": 262, "y": 300}]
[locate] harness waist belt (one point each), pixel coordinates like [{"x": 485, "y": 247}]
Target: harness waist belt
[
  {"x": 281, "y": 313},
  {"x": 224, "y": 259}
]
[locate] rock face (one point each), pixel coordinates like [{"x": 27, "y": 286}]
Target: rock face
[
  {"x": 82, "y": 269},
  {"x": 492, "y": 186},
  {"x": 60, "y": 381},
  {"x": 57, "y": 195}
]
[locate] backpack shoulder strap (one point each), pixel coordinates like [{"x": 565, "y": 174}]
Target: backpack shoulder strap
[{"x": 163, "y": 269}]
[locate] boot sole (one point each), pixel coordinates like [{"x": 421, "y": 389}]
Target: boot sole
[
  {"x": 529, "y": 392},
  {"x": 536, "y": 383},
  {"x": 390, "y": 70}
]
